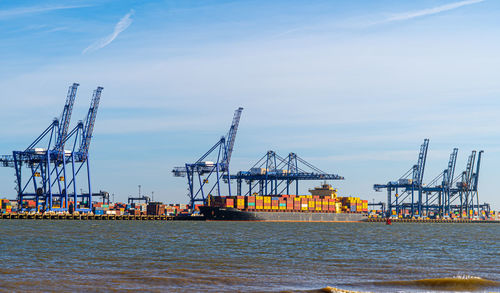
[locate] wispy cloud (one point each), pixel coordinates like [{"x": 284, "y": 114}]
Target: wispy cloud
[
  {"x": 429, "y": 11},
  {"x": 7, "y": 13},
  {"x": 122, "y": 25}
]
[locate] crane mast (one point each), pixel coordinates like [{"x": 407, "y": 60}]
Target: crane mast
[
  {"x": 66, "y": 119},
  {"x": 231, "y": 136},
  {"x": 89, "y": 123}
]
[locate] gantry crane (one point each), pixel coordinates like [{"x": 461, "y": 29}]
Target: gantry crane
[
  {"x": 275, "y": 175},
  {"x": 410, "y": 184},
  {"x": 438, "y": 190},
  {"x": 442, "y": 193},
  {"x": 50, "y": 181},
  {"x": 203, "y": 171}
]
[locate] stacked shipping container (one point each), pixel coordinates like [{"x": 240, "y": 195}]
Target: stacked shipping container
[
  {"x": 5, "y": 206},
  {"x": 311, "y": 203}
]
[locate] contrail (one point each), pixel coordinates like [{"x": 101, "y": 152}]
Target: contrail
[
  {"x": 122, "y": 25},
  {"x": 430, "y": 11}
]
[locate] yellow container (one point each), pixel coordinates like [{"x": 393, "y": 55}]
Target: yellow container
[
  {"x": 259, "y": 197},
  {"x": 282, "y": 208},
  {"x": 296, "y": 199},
  {"x": 275, "y": 208},
  {"x": 267, "y": 199},
  {"x": 259, "y": 207},
  {"x": 318, "y": 208},
  {"x": 311, "y": 204}
]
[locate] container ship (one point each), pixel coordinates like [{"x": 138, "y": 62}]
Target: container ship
[{"x": 322, "y": 205}]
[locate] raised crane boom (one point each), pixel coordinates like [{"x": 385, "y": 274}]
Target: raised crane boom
[
  {"x": 231, "y": 136},
  {"x": 476, "y": 175},
  {"x": 66, "y": 118},
  {"x": 89, "y": 123},
  {"x": 450, "y": 171},
  {"x": 418, "y": 175}
]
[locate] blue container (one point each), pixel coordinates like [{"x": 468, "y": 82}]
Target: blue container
[{"x": 99, "y": 212}]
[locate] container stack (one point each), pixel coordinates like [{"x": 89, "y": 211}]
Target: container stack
[
  {"x": 156, "y": 209},
  {"x": 303, "y": 203},
  {"x": 141, "y": 209},
  {"x": 29, "y": 204},
  {"x": 5, "y": 206}
]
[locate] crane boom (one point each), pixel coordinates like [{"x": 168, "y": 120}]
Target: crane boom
[
  {"x": 231, "y": 136},
  {"x": 418, "y": 175},
  {"x": 89, "y": 122},
  {"x": 66, "y": 118},
  {"x": 451, "y": 169},
  {"x": 478, "y": 166}
]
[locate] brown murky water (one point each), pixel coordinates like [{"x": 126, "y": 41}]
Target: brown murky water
[{"x": 247, "y": 257}]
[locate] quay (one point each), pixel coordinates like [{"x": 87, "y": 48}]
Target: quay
[
  {"x": 32, "y": 216},
  {"x": 451, "y": 221}
]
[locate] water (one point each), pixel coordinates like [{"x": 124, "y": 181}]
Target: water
[{"x": 247, "y": 256}]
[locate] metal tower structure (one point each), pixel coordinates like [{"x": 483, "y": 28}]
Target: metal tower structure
[
  {"x": 467, "y": 185},
  {"x": 203, "y": 171},
  {"x": 444, "y": 194},
  {"x": 410, "y": 184},
  {"x": 438, "y": 191},
  {"x": 53, "y": 170},
  {"x": 275, "y": 175}
]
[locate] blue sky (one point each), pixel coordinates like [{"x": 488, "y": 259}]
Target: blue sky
[{"x": 351, "y": 86}]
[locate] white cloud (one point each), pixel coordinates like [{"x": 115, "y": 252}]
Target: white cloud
[
  {"x": 35, "y": 9},
  {"x": 430, "y": 11},
  {"x": 122, "y": 25}
]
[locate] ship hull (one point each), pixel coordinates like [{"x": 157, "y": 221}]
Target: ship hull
[{"x": 231, "y": 214}]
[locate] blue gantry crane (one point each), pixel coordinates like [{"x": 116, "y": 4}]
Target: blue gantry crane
[
  {"x": 438, "y": 191},
  {"x": 467, "y": 186},
  {"x": 200, "y": 173},
  {"x": 410, "y": 184},
  {"x": 53, "y": 170},
  {"x": 275, "y": 175},
  {"x": 441, "y": 194}
]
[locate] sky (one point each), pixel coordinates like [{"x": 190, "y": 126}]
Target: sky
[{"x": 353, "y": 87}]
